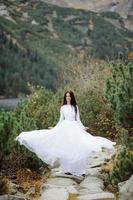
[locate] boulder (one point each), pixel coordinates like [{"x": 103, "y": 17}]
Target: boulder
[{"x": 126, "y": 189}]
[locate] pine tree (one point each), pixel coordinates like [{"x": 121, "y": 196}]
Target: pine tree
[{"x": 119, "y": 92}]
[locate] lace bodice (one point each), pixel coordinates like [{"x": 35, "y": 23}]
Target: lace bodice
[{"x": 67, "y": 112}]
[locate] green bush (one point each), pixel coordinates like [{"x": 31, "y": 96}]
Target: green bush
[
  {"x": 8, "y": 131},
  {"x": 119, "y": 92},
  {"x": 4, "y": 186},
  {"x": 96, "y": 114},
  {"x": 11, "y": 124},
  {"x": 43, "y": 107},
  {"x": 112, "y": 15},
  {"x": 123, "y": 138},
  {"x": 36, "y": 107},
  {"x": 122, "y": 166}
]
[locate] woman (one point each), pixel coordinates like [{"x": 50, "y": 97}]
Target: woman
[{"x": 68, "y": 142}]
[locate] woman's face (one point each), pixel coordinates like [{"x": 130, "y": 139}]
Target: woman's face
[{"x": 68, "y": 98}]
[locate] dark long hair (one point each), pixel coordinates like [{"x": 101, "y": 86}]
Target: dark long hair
[{"x": 73, "y": 100}]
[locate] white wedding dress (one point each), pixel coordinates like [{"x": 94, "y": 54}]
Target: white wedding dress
[{"x": 67, "y": 142}]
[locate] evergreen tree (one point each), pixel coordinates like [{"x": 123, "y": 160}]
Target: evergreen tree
[{"x": 119, "y": 91}]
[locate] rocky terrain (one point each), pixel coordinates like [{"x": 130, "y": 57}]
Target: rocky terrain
[
  {"x": 95, "y": 5},
  {"x": 67, "y": 187},
  {"x": 62, "y": 187},
  {"x": 123, "y": 7}
]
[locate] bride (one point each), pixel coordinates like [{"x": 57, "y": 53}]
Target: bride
[{"x": 68, "y": 142}]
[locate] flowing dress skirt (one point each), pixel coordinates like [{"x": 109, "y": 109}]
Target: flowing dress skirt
[{"x": 68, "y": 143}]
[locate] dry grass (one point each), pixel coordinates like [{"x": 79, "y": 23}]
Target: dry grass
[
  {"x": 72, "y": 196},
  {"x": 26, "y": 179},
  {"x": 106, "y": 168},
  {"x": 84, "y": 72}
]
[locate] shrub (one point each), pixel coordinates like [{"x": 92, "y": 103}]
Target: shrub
[
  {"x": 4, "y": 187},
  {"x": 8, "y": 131},
  {"x": 119, "y": 92},
  {"x": 96, "y": 114},
  {"x": 122, "y": 166},
  {"x": 43, "y": 107},
  {"x": 11, "y": 125},
  {"x": 112, "y": 15}
]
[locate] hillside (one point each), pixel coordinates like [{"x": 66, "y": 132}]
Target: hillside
[
  {"x": 120, "y": 6},
  {"x": 123, "y": 7},
  {"x": 35, "y": 35}
]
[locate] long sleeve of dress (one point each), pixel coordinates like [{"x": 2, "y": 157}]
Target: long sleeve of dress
[
  {"x": 78, "y": 119},
  {"x": 61, "y": 117}
]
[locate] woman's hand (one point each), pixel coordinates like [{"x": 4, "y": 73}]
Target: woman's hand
[
  {"x": 86, "y": 128},
  {"x": 50, "y": 127}
]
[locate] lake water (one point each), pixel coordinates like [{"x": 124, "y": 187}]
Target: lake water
[{"x": 9, "y": 104}]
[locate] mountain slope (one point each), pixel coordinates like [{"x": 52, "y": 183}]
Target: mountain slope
[
  {"x": 35, "y": 36},
  {"x": 123, "y": 7},
  {"x": 95, "y": 5}
]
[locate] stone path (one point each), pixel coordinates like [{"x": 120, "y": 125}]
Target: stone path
[{"x": 62, "y": 187}]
